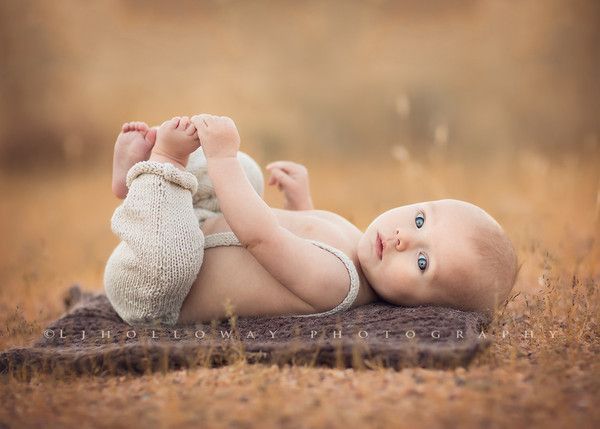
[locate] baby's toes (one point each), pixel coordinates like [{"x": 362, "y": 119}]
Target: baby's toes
[
  {"x": 190, "y": 130},
  {"x": 127, "y": 126},
  {"x": 171, "y": 124},
  {"x": 183, "y": 123},
  {"x": 141, "y": 126}
]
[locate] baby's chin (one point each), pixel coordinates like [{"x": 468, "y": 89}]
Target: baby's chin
[{"x": 362, "y": 251}]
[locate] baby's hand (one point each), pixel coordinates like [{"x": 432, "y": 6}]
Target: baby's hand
[
  {"x": 218, "y": 136},
  {"x": 292, "y": 179}
]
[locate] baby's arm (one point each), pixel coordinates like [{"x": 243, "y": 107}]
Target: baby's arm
[{"x": 311, "y": 273}]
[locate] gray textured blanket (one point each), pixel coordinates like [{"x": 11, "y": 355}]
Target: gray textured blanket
[{"x": 90, "y": 338}]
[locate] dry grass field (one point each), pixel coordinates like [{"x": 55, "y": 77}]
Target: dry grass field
[
  {"x": 56, "y": 231},
  {"x": 387, "y": 103}
]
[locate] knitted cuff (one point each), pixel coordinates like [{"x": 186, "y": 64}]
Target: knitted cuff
[{"x": 185, "y": 179}]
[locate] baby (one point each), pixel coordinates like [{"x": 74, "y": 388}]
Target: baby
[{"x": 197, "y": 238}]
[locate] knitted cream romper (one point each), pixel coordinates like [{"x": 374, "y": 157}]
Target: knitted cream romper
[{"x": 152, "y": 269}]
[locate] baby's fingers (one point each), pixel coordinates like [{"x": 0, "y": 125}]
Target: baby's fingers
[
  {"x": 201, "y": 121},
  {"x": 287, "y": 166},
  {"x": 280, "y": 178},
  {"x": 272, "y": 179}
]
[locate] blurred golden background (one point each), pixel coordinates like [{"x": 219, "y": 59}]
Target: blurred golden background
[{"x": 326, "y": 79}]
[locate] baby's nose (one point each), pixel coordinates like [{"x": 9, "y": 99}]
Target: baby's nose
[{"x": 401, "y": 241}]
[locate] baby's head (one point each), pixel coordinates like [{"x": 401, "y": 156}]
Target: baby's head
[{"x": 445, "y": 252}]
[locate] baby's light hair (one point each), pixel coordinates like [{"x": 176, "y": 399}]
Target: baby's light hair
[{"x": 498, "y": 264}]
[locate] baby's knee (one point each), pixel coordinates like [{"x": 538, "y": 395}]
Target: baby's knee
[{"x": 143, "y": 291}]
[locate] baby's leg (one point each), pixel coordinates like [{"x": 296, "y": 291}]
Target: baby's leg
[
  {"x": 133, "y": 145},
  {"x": 151, "y": 271}
]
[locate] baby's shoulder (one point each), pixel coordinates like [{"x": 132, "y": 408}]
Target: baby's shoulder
[{"x": 336, "y": 218}]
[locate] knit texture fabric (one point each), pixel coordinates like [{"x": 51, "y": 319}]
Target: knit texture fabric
[
  {"x": 367, "y": 336},
  {"x": 149, "y": 274}
]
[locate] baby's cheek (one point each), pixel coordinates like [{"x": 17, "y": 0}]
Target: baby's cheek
[
  {"x": 411, "y": 288},
  {"x": 393, "y": 283}
]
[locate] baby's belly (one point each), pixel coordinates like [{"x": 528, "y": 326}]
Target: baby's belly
[{"x": 232, "y": 280}]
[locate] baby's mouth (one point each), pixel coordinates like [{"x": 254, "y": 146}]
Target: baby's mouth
[{"x": 379, "y": 247}]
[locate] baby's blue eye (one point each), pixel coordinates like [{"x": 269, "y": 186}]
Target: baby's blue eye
[
  {"x": 419, "y": 220},
  {"x": 422, "y": 261}
]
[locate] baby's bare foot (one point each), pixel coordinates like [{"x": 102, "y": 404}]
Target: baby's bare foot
[
  {"x": 176, "y": 139},
  {"x": 133, "y": 145}
]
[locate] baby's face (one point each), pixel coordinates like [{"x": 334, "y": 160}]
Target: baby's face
[{"x": 420, "y": 253}]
